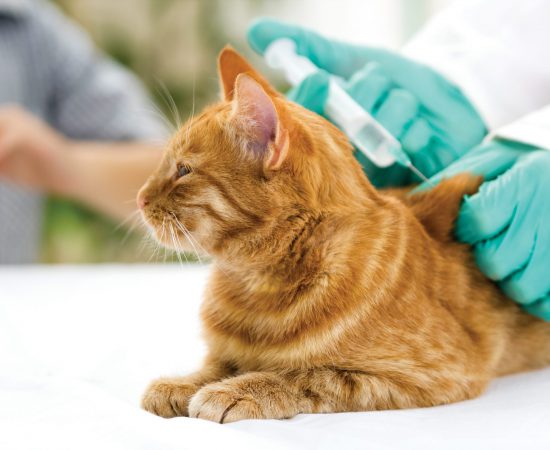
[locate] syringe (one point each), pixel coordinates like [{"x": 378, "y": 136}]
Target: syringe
[{"x": 364, "y": 131}]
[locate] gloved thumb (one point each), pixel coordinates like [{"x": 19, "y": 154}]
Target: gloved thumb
[
  {"x": 489, "y": 160},
  {"x": 540, "y": 308},
  {"x": 485, "y": 214},
  {"x": 335, "y": 57}
]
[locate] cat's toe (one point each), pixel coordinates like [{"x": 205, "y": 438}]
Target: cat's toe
[
  {"x": 223, "y": 404},
  {"x": 167, "y": 399}
]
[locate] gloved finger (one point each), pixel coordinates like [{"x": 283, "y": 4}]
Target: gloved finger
[
  {"x": 344, "y": 59},
  {"x": 368, "y": 86},
  {"x": 335, "y": 57},
  {"x": 540, "y": 308},
  {"x": 508, "y": 252},
  {"x": 397, "y": 110},
  {"x": 394, "y": 175},
  {"x": 532, "y": 282},
  {"x": 485, "y": 214},
  {"x": 417, "y": 136},
  {"x": 487, "y": 160},
  {"x": 433, "y": 158},
  {"x": 312, "y": 92}
]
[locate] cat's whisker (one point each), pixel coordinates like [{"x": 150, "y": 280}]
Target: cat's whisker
[
  {"x": 157, "y": 247},
  {"x": 154, "y": 250},
  {"x": 190, "y": 238},
  {"x": 169, "y": 100},
  {"x": 181, "y": 248},
  {"x": 134, "y": 222},
  {"x": 177, "y": 248},
  {"x": 156, "y": 112},
  {"x": 162, "y": 237},
  {"x": 143, "y": 242},
  {"x": 153, "y": 245},
  {"x": 177, "y": 242},
  {"x": 192, "y": 111},
  {"x": 129, "y": 218},
  {"x": 169, "y": 123},
  {"x": 148, "y": 241},
  {"x": 131, "y": 229}
]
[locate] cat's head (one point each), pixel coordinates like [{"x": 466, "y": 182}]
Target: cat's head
[{"x": 245, "y": 165}]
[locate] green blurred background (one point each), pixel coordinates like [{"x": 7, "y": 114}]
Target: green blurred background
[{"x": 172, "y": 46}]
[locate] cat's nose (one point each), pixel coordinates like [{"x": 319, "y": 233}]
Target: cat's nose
[{"x": 142, "y": 200}]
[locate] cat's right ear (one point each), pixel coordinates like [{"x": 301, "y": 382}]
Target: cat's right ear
[{"x": 230, "y": 65}]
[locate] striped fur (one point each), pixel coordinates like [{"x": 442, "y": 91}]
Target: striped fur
[{"x": 326, "y": 295}]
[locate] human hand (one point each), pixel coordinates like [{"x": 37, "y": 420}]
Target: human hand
[
  {"x": 31, "y": 153},
  {"x": 429, "y": 115},
  {"x": 508, "y": 220}
]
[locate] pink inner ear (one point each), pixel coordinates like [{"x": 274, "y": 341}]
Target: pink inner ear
[{"x": 256, "y": 114}]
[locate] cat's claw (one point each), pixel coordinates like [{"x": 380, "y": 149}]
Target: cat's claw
[{"x": 224, "y": 404}]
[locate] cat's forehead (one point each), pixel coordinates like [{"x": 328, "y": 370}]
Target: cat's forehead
[{"x": 198, "y": 133}]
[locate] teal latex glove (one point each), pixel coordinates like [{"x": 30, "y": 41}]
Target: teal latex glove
[
  {"x": 430, "y": 116},
  {"x": 508, "y": 220}
]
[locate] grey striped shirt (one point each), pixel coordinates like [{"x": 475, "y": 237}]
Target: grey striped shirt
[{"x": 49, "y": 67}]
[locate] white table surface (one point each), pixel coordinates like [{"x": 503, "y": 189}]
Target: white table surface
[{"x": 78, "y": 344}]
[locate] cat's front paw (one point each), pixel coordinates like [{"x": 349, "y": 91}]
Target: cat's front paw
[
  {"x": 240, "y": 398},
  {"x": 168, "y": 397}
]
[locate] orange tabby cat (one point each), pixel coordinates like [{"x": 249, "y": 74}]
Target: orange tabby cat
[{"x": 326, "y": 295}]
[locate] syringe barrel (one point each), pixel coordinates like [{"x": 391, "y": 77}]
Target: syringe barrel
[
  {"x": 363, "y": 130},
  {"x": 281, "y": 55}
]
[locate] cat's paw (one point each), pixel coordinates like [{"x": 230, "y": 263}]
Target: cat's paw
[
  {"x": 168, "y": 397},
  {"x": 223, "y": 403},
  {"x": 241, "y": 398}
]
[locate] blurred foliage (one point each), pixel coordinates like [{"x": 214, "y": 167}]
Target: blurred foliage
[{"x": 74, "y": 234}]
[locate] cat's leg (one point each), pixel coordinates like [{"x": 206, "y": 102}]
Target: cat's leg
[
  {"x": 269, "y": 395},
  {"x": 169, "y": 396}
]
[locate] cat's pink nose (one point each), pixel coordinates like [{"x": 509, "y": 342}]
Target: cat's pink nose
[{"x": 142, "y": 200}]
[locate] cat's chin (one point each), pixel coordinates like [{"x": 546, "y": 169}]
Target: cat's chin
[
  {"x": 176, "y": 241},
  {"x": 173, "y": 240}
]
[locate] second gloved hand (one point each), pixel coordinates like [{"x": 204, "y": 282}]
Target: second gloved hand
[
  {"x": 508, "y": 220},
  {"x": 429, "y": 115}
]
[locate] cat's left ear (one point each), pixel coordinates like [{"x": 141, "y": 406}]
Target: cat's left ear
[
  {"x": 230, "y": 65},
  {"x": 258, "y": 122}
]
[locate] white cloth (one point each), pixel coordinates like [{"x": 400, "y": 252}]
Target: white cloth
[
  {"x": 498, "y": 53},
  {"x": 78, "y": 345}
]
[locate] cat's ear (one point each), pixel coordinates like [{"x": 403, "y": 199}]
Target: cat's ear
[
  {"x": 258, "y": 122},
  {"x": 230, "y": 65}
]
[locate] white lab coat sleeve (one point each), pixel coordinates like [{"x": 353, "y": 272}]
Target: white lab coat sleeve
[
  {"x": 496, "y": 51},
  {"x": 533, "y": 129}
]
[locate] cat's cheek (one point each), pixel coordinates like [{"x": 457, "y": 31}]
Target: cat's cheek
[{"x": 204, "y": 232}]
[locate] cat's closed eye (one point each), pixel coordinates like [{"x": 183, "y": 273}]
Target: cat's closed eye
[{"x": 182, "y": 170}]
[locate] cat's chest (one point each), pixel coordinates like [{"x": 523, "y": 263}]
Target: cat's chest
[{"x": 267, "y": 339}]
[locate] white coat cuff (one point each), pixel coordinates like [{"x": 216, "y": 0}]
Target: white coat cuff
[{"x": 532, "y": 129}]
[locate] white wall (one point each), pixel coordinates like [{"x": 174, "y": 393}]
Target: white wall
[{"x": 386, "y": 23}]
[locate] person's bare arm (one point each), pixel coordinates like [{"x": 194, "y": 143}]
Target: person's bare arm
[{"x": 103, "y": 175}]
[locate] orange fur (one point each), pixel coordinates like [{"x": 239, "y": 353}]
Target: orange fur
[{"x": 326, "y": 295}]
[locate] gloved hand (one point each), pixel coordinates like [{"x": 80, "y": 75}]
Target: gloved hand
[
  {"x": 508, "y": 220},
  {"x": 429, "y": 115}
]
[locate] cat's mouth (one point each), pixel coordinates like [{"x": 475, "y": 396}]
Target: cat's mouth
[{"x": 170, "y": 232}]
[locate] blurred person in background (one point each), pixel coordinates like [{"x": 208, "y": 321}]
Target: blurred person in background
[{"x": 72, "y": 123}]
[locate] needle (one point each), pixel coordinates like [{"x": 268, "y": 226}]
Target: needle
[{"x": 420, "y": 174}]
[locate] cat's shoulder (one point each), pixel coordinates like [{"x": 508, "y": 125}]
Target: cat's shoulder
[{"x": 437, "y": 208}]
